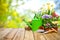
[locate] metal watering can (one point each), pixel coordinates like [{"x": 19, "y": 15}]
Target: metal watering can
[{"x": 35, "y": 23}]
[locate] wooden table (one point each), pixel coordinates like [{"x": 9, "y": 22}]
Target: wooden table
[{"x": 21, "y": 34}]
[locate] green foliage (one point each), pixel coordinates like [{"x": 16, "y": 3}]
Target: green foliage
[{"x": 16, "y": 21}]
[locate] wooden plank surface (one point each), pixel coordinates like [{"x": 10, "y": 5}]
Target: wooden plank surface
[
  {"x": 21, "y": 34},
  {"x": 39, "y": 36},
  {"x": 56, "y": 36},
  {"x": 11, "y": 35},
  {"x": 4, "y": 33},
  {"x": 1, "y": 29},
  {"x": 49, "y": 36},
  {"x": 29, "y": 35},
  {"x": 58, "y": 32}
]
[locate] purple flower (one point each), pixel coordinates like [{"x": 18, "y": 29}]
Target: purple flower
[{"x": 46, "y": 16}]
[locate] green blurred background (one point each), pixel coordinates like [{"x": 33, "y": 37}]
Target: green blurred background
[{"x": 11, "y": 18}]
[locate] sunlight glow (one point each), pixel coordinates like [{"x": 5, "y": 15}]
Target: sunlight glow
[{"x": 33, "y": 5}]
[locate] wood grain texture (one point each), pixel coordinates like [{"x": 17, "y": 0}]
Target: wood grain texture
[
  {"x": 1, "y": 29},
  {"x": 4, "y": 33},
  {"x": 21, "y": 34},
  {"x": 29, "y": 35},
  {"x": 56, "y": 36},
  {"x": 11, "y": 35},
  {"x": 39, "y": 36}
]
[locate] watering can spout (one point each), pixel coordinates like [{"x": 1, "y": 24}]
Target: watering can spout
[{"x": 28, "y": 23}]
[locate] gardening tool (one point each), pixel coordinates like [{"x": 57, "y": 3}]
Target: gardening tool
[{"x": 35, "y": 23}]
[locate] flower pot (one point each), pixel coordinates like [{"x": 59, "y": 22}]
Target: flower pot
[
  {"x": 41, "y": 27},
  {"x": 46, "y": 29},
  {"x": 56, "y": 28},
  {"x": 27, "y": 28}
]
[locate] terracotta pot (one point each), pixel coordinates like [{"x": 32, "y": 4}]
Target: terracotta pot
[
  {"x": 27, "y": 28},
  {"x": 56, "y": 28},
  {"x": 41, "y": 27},
  {"x": 46, "y": 29}
]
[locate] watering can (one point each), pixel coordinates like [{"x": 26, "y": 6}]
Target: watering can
[{"x": 35, "y": 23}]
